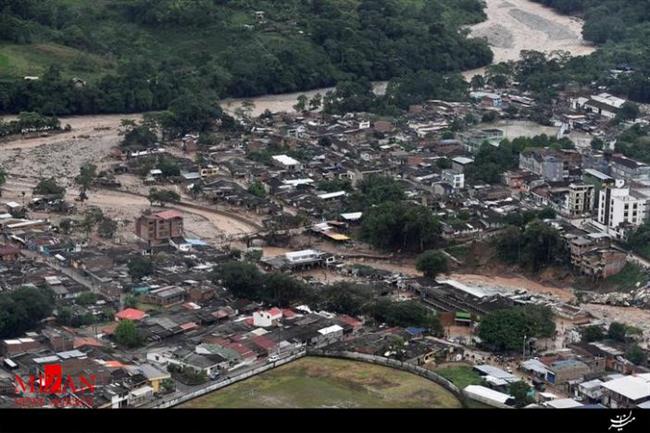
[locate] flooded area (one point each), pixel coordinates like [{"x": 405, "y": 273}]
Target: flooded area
[
  {"x": 511, "y": 26},
  {"x": 516, "y": 25}
]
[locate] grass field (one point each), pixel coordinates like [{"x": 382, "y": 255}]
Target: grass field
[
  {"x": 460, "y": 375},
  {"x": 330, "y": 383}
]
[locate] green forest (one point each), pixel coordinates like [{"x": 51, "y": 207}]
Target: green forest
[
  {"x": 140, "y": 55},
  {"x": 621, "y": 28}
]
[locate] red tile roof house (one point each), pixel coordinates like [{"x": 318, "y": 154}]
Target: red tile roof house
[
  {"x": 350, "y": 321},
  {"x": 267, "y": 318},
  {"x": 265, "y": 343},
  {"x": 130, "y": 314}
]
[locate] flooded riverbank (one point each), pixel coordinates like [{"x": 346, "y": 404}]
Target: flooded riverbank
[{"x": 511, "y": 26}]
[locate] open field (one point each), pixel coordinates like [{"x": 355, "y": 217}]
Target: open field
[
  {"x": 330, "y": 383},
  {"x": 460, "y": 375}
]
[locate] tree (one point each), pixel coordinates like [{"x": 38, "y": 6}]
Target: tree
[
  {"x": 138, "y": 136},
  {"x": 86, "y": 298},
  {"x": 257, "y": 189},
  {"x": 443, "y": 163},
  {"x": 316, "y": 102},
  {"x": 397, "y": 225},
  {"x": 169, "y": 167},
  {"x": 301, "y": 104},
  {"x": 597, "y": 144},
  {"x": 537, "y": 246},
  {"x": 431, "y": 263},
  {"x": 617, "y": 331},
  {"x": 126, "y": 334},
  {"x": 377, "y": 189},
  {"x": 247, "y": 108},
  {"x": 242, "y": 279},
  {"x": 507, "y": 329},
  {"x": 405, "y": 314},
  {"x": 140, "y": 267},
  {"x": 592, "y": 333},
  {"x": 131, "y": 301},
  {"x": 163, "y": 196},
  {"x": 521, "y": 392},
  {"x": 168, "y": 385},
  {"x": 283, "y": 290},
  {"x": 87, "y": 174},
  {"x": 345, "y": 298},
  {"x": 636, "y": 355},
  {"x": 628, "y": 111},
  {"x": 477, "y": 82},
  {"x": 107, "y": 228},
  {"x": 49, "y": 187},
  {"x": 23, "y": 309}
]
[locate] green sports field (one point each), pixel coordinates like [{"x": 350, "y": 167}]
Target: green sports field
[{"x": 330, "y": 383}]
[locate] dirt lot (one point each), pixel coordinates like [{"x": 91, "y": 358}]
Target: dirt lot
[
  {"x": 90, "y": 140},
  {"x": 61, "y": 154}
]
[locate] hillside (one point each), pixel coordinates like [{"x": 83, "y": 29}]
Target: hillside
[
  {"x": 138, "y": 55},
  {"x": 621, "y": 29}
]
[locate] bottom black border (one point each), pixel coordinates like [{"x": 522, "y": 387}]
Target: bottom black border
[{"x": 328, "y": 420}]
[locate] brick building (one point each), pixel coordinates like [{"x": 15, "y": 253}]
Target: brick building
[{"x": 160, "y": 227}]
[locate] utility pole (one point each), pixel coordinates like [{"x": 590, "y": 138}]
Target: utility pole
[{"x": 523, "y": 355}]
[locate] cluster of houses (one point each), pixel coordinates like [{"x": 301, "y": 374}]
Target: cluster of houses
[{"x": 309, "y": 164}]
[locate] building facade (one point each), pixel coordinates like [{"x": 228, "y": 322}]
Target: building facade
[{"x": 160, "y": 227}]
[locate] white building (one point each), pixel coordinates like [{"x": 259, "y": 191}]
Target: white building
[
  {"x": 604, "y": 104},
  {"x": 287, "y": 162},
  {"x": 488, "y": 396},
  {"x": 454, "y": 178},
  {"x": 266, "y": 318},
  {"x": 618, "y": 206},
  {"x": 627, "y": 391}
]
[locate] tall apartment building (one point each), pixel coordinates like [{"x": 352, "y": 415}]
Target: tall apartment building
[
  {"x": 621, "y": 206},
  {"x": 160, "y": 227},
  {"x": 581, "y": 199}
]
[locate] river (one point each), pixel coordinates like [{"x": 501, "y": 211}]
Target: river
[{"x": 511, "y": 26}]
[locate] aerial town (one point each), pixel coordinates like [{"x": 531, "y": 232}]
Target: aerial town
[
  {"x": 155, "y": 293},
  {"x": 485, "y": 234}
]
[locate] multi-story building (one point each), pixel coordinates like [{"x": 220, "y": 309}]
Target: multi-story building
[
  {"x": 160, "y": 227},
  {"x": 544, "y": 162},
  {"x": 165, "y": 296},
  {"x": 454, "y": 178},
  {"x": 622, "y": 167},
  {"x": 593, "y": 256},
  {"x": 620, "y": 206},
  {"x": 581, "y": 199}
]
